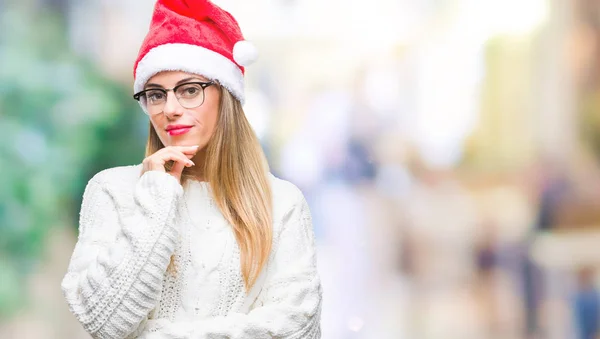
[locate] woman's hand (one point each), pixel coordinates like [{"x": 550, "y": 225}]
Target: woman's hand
[{"x": 180, "y": 155}]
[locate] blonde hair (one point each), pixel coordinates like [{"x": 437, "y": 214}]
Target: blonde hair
[{"x": 237, "y": 171}]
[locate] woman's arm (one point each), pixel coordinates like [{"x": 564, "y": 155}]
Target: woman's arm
[
  {"x": 289, "y": 305},
  {"x": 116, "y": 271}
]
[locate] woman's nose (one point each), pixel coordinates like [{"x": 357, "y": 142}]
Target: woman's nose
[{"x": 172, "y": 106}]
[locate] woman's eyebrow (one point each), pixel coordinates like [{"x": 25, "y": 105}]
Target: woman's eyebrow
[
  {"x": 153, "y": 85},
  {"x": 189, "y": 79},
  {"x": 178, "y": 82}
]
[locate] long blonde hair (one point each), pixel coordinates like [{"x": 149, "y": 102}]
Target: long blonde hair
[{"x": 237, "y": 171}]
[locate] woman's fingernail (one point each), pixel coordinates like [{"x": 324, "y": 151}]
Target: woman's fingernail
[{"x": 191, "y": 163}]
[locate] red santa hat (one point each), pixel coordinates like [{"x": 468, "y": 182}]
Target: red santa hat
[{"x": 194, "y": 36}]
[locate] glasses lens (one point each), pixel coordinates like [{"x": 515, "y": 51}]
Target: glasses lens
[
  {"x": 143, "y": 103},
  {"x": 190, "y": 95},
  {"x": 156, "y": 97},
  {"x": 153, "y": 100}
]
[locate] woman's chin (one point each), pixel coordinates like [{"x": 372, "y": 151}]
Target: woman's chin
[{"x": 180, "y": 141}]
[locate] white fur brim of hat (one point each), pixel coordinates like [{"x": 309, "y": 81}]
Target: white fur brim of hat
[{"x": 194, "y": 59}]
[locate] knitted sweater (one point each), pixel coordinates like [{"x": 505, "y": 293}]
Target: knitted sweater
[{"x": 118, "y": 285}]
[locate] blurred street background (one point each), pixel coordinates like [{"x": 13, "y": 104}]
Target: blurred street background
[{"x": 449, "y": 150}]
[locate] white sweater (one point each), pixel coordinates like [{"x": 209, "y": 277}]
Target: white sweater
[{"x": 118, "y": 286}]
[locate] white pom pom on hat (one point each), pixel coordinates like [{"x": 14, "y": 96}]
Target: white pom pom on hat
[{"x": 244, "y": 53}]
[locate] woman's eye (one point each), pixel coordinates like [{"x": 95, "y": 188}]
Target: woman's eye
[
  {"x": 190, "y": 91},
  {"x": 155, "y": 96}
]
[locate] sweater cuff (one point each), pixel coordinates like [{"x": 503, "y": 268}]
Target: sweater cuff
[{"x": 158, "y": 183}]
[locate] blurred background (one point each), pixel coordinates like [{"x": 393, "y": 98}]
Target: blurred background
[{"x": 449, "y": 150}]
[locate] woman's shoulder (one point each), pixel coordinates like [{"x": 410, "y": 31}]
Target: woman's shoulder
[
  {"x": 122, "y": 176},
  {"x": 286, "y": 195}
]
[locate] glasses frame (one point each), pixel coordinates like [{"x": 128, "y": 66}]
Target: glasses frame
[{"x": 203, "y": 84}]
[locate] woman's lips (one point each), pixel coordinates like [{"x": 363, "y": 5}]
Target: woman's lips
[{"x": 179, "y": 130}]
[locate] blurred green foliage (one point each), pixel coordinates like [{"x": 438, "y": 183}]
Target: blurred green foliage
[{"x": 61, "y": 121}]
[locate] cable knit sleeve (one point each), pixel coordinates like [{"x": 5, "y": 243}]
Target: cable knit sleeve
[
  {"x": 289, "y": 305},
  {"x": 125, "y": 242}
]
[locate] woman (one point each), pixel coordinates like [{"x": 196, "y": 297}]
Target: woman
[{"x": 200, "y": 240}]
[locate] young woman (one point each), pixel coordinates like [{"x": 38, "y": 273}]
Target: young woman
[{"x": 200, "y": 240}]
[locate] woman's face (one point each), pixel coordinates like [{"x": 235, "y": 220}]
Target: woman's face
[{"x": 179, "y": 126}]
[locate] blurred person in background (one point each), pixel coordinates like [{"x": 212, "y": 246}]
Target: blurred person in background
[
  {"x": 586, "y": 305},
  {"x": 552, "y": 188},
  {"x": 200, "y": 240},
  {"x": 486, "y": 269}
]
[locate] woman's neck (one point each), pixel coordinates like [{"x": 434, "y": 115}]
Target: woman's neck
[{"x": 197, "y": 172}]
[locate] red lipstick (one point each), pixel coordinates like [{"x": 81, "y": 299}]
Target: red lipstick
[{"x": 178, "y": 129}]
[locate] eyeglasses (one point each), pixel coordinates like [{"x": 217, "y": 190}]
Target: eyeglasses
[{"x": 189, "y": 95}]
